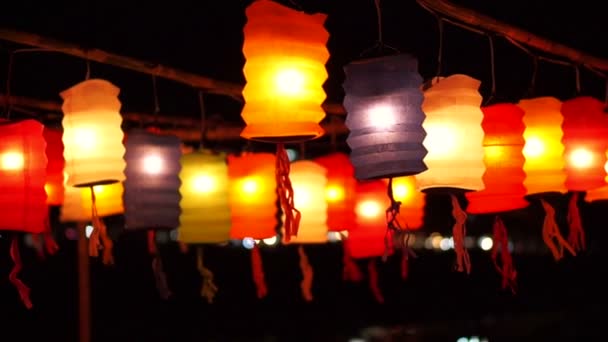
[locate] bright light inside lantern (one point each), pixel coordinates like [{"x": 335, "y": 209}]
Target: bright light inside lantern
[
  {"x": 382, "y": 115},
  {"x": 12, "y": 161},
  {"x": 441, "y": 140},
  {"x": 249, "y": 186},
  {"x": 290, "y": 82},
  {"x": 369, "y": 209},
  {"x": 84, "y": 138},
  {"x": 334, "y": 193},
  {"x": 98, "y": 189},
  {"x": 581, "y": 158},
  {"x": 534, "y": 147},
  {"x": 153, "y": 164},
  {"x": 301, "y": 196},
  {"x": 402, "y": 192},
  {"x": 203, "y": 184}
]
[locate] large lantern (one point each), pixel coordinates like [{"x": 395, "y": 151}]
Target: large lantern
[
  {"x": 205, "y": 202},
  {"x": 151, "y": 187},
  {"x": 383, "y": 101},
  {"x": 340, "y": 191},
  {"x": 504, "y": 176},
  {"x": 54, "y": 169},
  {"x": 285, "y": 55},
  {"x": 454, "y": 136},
  {"x": 543, "y": 150}
]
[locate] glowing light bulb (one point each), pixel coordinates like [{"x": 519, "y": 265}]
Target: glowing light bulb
[
  {"x": 203, "y": 184},
  {"x": 382, "y": 115},
  {"x": 12, "y": 161},
  {"x": 153, "y": 164},
  {"x": 334, "y": 193},
  {"x": 401, "y": 192},
  {"x": 534, "y": 147},
  {"x": 290, "y": 82},
  {"x": 441, "y": 139},
  {"x": 581, "y": 158},
  {"x": 98, "y": 189},
  {"x": 250, "y": 186},
  {"x": 301, "y": 196},
  {"x": 84, "y": 138},
  {"x": 369, "y": 209}
]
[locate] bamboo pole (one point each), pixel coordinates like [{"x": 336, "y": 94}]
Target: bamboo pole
[
  {"x": 485, "y": 23},
  {"x": 84, "y": 286}
]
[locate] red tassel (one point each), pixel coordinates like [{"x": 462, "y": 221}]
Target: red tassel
[
  {"x": 373, "y": 281},
  {"x": 307, "y": 275},
  {"x": 157, "y": 267},
  {"x": 258, "y": 272},
  {"x": 459, "y": 231},
  {"x": 505, "y": 268},
  {"x": 285, "y": 193},
  {"x": 576, "y": 235},
  {"x": 351, "y": 271},
  {"x": 24, "y": 291},
  {"x": 551, "y": 234},
  {"x": 152, "y": 242}
]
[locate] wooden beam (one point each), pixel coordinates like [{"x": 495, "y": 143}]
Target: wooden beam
[{"x": 485, "y": 23}]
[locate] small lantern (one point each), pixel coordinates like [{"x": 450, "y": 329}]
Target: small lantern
[
  {"x": 54, "y": 169},
  {"x": 92, "y": 134},
  {"x": 412, "y": 200},
  {"x": 383, "y": 101},
  {"x": 77, "y": 205},
  {"x": 205, "y": 203},
  {"x": 285, "y": 52},
  {"x": 454, "y": 136},
  {"x": 340, "y": 191},
  {"x": 504, "y": 160},
  {"x": 309, "y": 184},
  {"x": 23, "y": 166},
  {"x": 585, "y": 140},
  {"x": 253, "y": 196},
  {"x": 151, "y": 187},
  {"x": 543, "y": 150}
]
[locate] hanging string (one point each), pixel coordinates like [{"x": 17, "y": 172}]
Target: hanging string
[
  {"x": 24, "y": 291},
  {"x": 606, "y": 97},
  {"x": 9, "y": 74},
  {"x": 577, "y": 76},
  {"x": 492, "y": 69},
  {"x": 88, "y": 69},
  {"x": 440, "y": 47},
  {"x": 551, "y": 234},
  {"x": 257, "y": 270},
  {"x": 99, "y": 232},
  {"x": 392, "y": 223},
  {"x": 208, "y": 288},
  {"x": 307, "y": 275},
  {"x": 156, "y": 104},
  {"x": 532, "y": 87},
  {"x": 334, "y": 136},
  {"x": 576, "y": 234},
  {"x": 350, "y": 270},
  {"x": 379, "y": 46},
  {"x": 501, "y": 245},
  {"x": 379, "y": 21},
  {"x": 201, "y": 104},
  {"x": 285, "y": 193},
  {"x": 459, "y": 232},
  {"x": 160, "y": 277},
  {"x": 406, "y": 253},
  {"x": 373, "y": 281}
]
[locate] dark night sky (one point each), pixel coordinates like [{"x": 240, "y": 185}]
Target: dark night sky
[{"x": 563, "y": 299}]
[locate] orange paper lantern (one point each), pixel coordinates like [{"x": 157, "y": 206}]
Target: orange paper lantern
[
  {"x": 285, "y": 52},
  {"x": 504, "y": 160},
  {"x": 411, "y": 214},
  {"x": 54, "y": 186}
]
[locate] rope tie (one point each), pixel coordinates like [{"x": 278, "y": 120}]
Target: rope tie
[
  {"x": 501, "y": 245},
  {"x": 459, "y": 231},
  {"x": 285, "y": 193}
]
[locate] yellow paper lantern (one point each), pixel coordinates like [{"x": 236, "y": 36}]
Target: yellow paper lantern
[
  {"x": 77, "y": 204},
  {"x": 309, "y": 180},
  {"x": 205, "y": 202},
  {"x": 543, "y": 150},
  {"x": 285, "y": 52},
  {"x": 454, "y": 136},
  {"x": 92, "y": 134}
]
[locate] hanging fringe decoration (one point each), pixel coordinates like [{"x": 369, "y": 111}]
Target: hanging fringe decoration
[
  {"x": 307, "y": 275},
  {"x": 24, "y": 291},
  {"x": 208, "y": 288},
  {"x": 285, "y": 192},
  {"x": 459, "y": 232},
  {"x": 406, "y": 253},
  {"x": 576, "y": 234},
  {"x": 501, "y": 243},
  {"x": 392, "y": 223},
  {"x": 257, "y": 269},
  {"x": 373, "y": 281},
  {"x": 99, "y": 232},
  {"x": 157, "y": 267},
  {"x": 45, "y": 241},
  {"x": 551, "y": 234},
  {"x": 351, "y": 271}
]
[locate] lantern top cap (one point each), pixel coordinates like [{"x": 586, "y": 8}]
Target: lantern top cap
[
  {"x": 455, "y": 81},
  {"x": 276, "y": 9},
  {"x": 93, "y": 84}
]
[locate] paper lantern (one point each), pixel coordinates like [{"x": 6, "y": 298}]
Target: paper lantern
[
  {"x": 77, "y": 204},
  {"x": 23, "y": 166},
  {"x": 411, "y": 214},
  {"x": 340, "y": 191},
  {"x": 151, "y": 187},
  {"x": 92, "y": 134},
  {"x": 543, "y": 150},
  {"x": 205, "y": 202},
  {"x": 309, "y": 181},
  {"x": 585, "y": 141},
  {"x": 253, "y": 197},
  {"x": 383, "y": 101},
  {"x": 454, "y": 136},
  {"x": 285, "y": 52},
  {"x": 504, "y": 177},
  {"x": 54, "y": 169},
  {"x": 367, "y": 238}
]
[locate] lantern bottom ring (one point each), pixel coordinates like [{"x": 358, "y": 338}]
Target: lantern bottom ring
[
  {"x": 294, "y": 132},
  {"x": 92, "y": 184}
]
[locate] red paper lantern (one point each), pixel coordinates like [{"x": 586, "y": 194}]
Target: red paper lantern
[
  {"x": 23, "y": 166},
  {"x": 340, "y": 191},
  {"x": 504, "y": 160},
  {"x": 54, "y": 185},
  {"x": 585, "y": 140}
]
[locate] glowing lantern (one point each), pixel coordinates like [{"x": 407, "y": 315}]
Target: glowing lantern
[
  {"x": 54, "y": 169},
  {"x": 383, "y": 101},
  {"x": 77, "y": 205},
  {"x": 599, "y": 194},
  {"x": 454, "y": 137},
  {"x": 585, "y": 140},
  {"x": 340, "y": 191},
  {"x": 543, "y": 150},
  {"x": 504, "y": 177},
  {"x": 309, "y": 183},
  {"x": 285, "y": 52},
  {"x": 92, "y": 134},
  {"x": 151, "y": 187},
  {"x": 23, "y": 166},
  {"x": 205, "y": 203},
  {"x": 412, "y": 202},
  {"x": 252, "y": 196}
]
